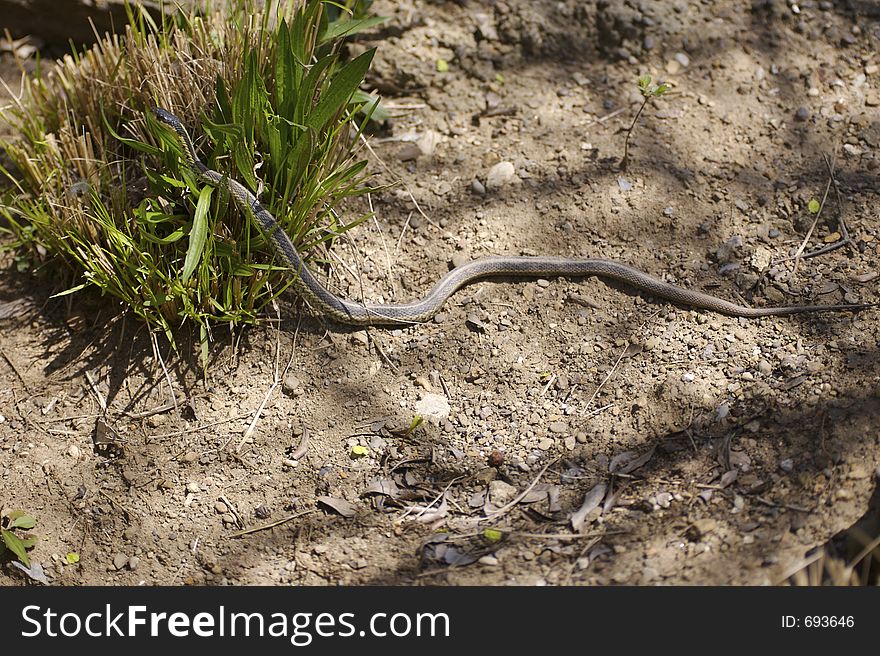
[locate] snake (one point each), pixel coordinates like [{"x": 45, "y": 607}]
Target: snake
[{"x": 326, "y": 303}]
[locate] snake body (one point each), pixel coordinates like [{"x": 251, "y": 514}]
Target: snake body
[{"x": 349, "y": 312}]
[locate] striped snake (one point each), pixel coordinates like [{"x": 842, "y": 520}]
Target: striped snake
[{"x": 349, "y": 312}]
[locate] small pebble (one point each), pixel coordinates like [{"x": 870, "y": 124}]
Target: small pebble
[
  {"x": 193, "y": 488},
  {"x": 120, "y": 560},
  {"x": 434, "y": 406},
  {"x": 290, "y": 384},
  {"x": 501, "y": 492},
  {"x": 478, "y": 187},
  {"x": 802, "y": 113},
  {"x": 499, "y": 175},
  {"x": 221, "y": 507},
  {"x": 459, "y": 259}
]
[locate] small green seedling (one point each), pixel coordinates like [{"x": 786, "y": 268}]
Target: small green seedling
[
  {"x": 17, "y": 519},
  {"x": 648, "y": 91},
  {"x": 415, "y": 423},
  {"x": 492, "y": 535},
  {"x": 814, "y": 206}
]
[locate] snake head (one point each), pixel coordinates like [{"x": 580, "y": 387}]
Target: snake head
[{"x": 165, "y": 116}]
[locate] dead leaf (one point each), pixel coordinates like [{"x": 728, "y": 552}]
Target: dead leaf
[
  {"x": 340, "y": 506},
  {"x": 592, "y": 499},
  {"x": 474, "y": 323},
  {"x": 865, "y": 277},
  {"x": 107, "y": 441},
  {"x": 628, "y": 461},
  {"x": 35, "y": 571},
  {"x": 477, "y": 499},
  {"x": 533, "y": 496},
  {"x": 384, "y": 486}
]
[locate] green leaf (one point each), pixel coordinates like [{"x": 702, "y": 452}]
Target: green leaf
[
  {"x": 72, "y": 290},
  {"x": 15, "y": 545},
  {"x": 198, "y": 233},
  {"x": 72, "y": 558},
  {"x": 132, "y": 143},
  {"x": 644, "y": 81},
  {"x": 341, "y": 89},
  {"x": 358, "y": 451},
  {"x": 373, "y": 104},
  {"x": 153, "y": 239},
  {"x": 814, "y": 206},
  {"x": 25, "y": 522},
  {"x": 343, "y": 28},
  {"x": 442, "y": 65},
  {"x": 284, "y": 69}
]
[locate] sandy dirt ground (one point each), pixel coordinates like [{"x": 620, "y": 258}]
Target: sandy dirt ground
[{"x": 603, "y": 436}]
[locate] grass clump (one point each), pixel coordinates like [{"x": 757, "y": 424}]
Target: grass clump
[{"x": 100, "y": 186}]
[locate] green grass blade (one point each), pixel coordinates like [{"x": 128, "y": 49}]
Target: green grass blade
[
  {"x": 198, "y": 233},
  {"x": 341, "y": 89}
]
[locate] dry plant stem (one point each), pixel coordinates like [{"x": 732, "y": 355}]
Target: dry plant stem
[
  {"x": 249, "y": 431},
  {"x": 278, "y": 522},
  {"x": 829, "y": 165},
  {"x": 15, "y": 369},
  {"x": 592, "y": 543},
  {"x": 799, "y": 566},
  {"x": 519, "y": 497},
  {"x": 844, "y": 231},
  {"x": 384, "y": 244},
  {"x": 607, "y": 377},
  {"x": 164, "y": 370},
  {"x": 796, "y": 257},
  {"x": 602, "y": 119},
  {"x": 276, "y": 383},
  {"x": 232, "y": 510},
  {"x": 93, "y": 384},
  {"x": 201, "y": 427}
]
